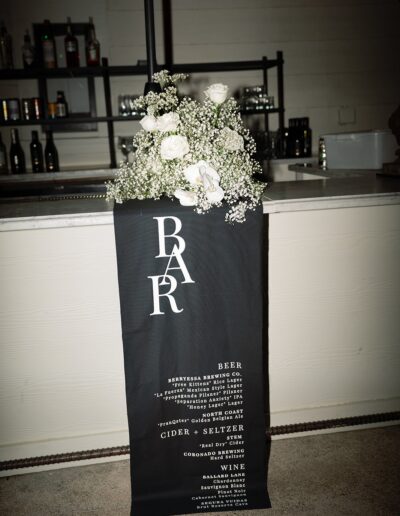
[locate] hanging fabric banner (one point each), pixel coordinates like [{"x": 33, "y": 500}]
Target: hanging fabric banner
[{"x": 191, "y": 308}]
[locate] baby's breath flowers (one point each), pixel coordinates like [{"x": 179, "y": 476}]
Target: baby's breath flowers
[{"x": 200, "y": 154}]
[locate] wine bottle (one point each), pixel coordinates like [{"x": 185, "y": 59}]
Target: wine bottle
[
  {"x": 295, "y": 145},
  {"x": 17, "y": 156},
  {"x": 61, "y": 105},
  {"x": 291, "y": 138},
  {"x": 6, "y": 52},
  {"x": 3, "y": 157},
  {"x": 92, "y": 47},
  {"x": 71, "y": 47},
  {"x": 49, "y": 47},
  {"x": 307, "y": 138},
  {"x": 51, "y": 154},
  {"x": 36, "y": 153},
  {"x": 28, "y": 52}
]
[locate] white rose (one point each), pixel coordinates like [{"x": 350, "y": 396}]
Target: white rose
[
  {"x": 168, "y": 122},
  {"x": 195, "y": 173},
  {"x": 201, "y": 173},
  {"x": 149, "y": 123},
  {"x": 231, "y": 140},
  {"x": 217, "y": 93},
  {"x": 174, "y": 146},
  {"x": 186, "y": 198}
]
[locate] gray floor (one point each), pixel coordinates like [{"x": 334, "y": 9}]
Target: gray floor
[{"x": 354, "y": 473}]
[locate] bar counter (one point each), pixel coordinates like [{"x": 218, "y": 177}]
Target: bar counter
[
  {"x": 333, "y": 312},
  {"x": 309, "y": 189}
]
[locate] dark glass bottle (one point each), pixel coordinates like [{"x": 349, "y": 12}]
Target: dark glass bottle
[
  {"x": 307, "y": 139},
  {"x": 92, "y": 47},
  {"x": 17, "y": 156},
  {"x": 6, "y": 51},
  {"x": 36, "y": 153},
  {"x": 48, "y": 47},
  {"x": 51, "y": 154},
  {"x": 61, "y": 105},
  {"x": 291, "y": 138},
  {"x": 71, "y": 47},
  {"x": 3, "y": 157},
  {"x": 298, "y": 139},
  {"x": 295, "y": 138},
  {"x": 28, "y": 52}
]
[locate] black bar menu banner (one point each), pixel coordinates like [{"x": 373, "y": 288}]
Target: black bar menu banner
[{"x": 191, "y": 310}]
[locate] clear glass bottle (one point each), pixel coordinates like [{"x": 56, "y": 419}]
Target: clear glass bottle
[
  {"x": 36, "y": 153},
  {"x": 48, "y": 46},
  {"x": 28, "y": 52},
  {"x": 71, "y": 47},
  {"x": 6, "y": 51},
  {"x": 92, "y": 47},
  {"x": 322, "y": 159},
  {"x": 17, "y": 156},
  {"x": 51, "y": 154}
]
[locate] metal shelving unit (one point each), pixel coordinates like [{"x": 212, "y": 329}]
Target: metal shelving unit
[{"x": 106, "y": 72}]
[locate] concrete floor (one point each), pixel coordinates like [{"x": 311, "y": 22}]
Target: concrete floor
[{"x": 353, "y": 473}]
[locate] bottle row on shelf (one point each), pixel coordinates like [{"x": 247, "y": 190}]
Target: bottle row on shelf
[
  {"x": 32, "y": 108},
  {"x": 298, "y": 141},
  {"x": 256, "y": 98},
  {"x": 294, "y": 141},
  {"x": 126, "y": 106},
  {"x": 40, "y": 162},
  {"x": 46, "y": 55}
]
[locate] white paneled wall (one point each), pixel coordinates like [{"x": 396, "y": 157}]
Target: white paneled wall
[{"x": 339, "y": 54}]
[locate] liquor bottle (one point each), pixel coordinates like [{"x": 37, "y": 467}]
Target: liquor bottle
[
  {"x": 28, "y": 52},
  {"x": 291, "y": 138},
  {"x": 3, "y": 157},
  {"x": 51, "y": 154},
  {"x": 71, "y": 47},
  {"x": 295, "y": 139},
  {"x": 17, "y": 156},
  {"x": 322, "y": 160},
  {"x": 61, "y": 105},
  {"x": 48, "y": 46},
  {"x": 36, "y": 153},
  {"x": 92, "y": 47},
  {"x": 6, "y": 52},
  {"x": 298, "y": 139},
  {"x": 307, "y": 139}
]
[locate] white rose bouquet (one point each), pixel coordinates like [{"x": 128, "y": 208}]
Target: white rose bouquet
[{"x": 200, "y": 154}]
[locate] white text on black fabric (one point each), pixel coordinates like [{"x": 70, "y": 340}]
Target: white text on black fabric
[{"x": 165, "y": 284}]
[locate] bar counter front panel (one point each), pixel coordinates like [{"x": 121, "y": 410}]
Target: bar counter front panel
[{"x": 334, "y": 329}]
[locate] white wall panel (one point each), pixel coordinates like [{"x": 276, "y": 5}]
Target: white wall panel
[
  {"x": 334, "y": 290},
  {"x": 61, "y": 367},
  {"x": 334, "y": 326}
]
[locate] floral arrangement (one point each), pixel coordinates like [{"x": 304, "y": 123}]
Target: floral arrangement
[{"x": 199, "y": 153}]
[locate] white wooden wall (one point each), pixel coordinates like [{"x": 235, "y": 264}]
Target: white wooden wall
[{"x": 340, "y": 55}]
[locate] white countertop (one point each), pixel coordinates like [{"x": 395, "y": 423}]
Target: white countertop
[{"x": 335, "y": 190}]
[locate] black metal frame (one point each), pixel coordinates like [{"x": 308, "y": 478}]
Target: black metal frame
[
  {"x": 71, "y": 124},
  {"x": 106, "y": 72}
]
